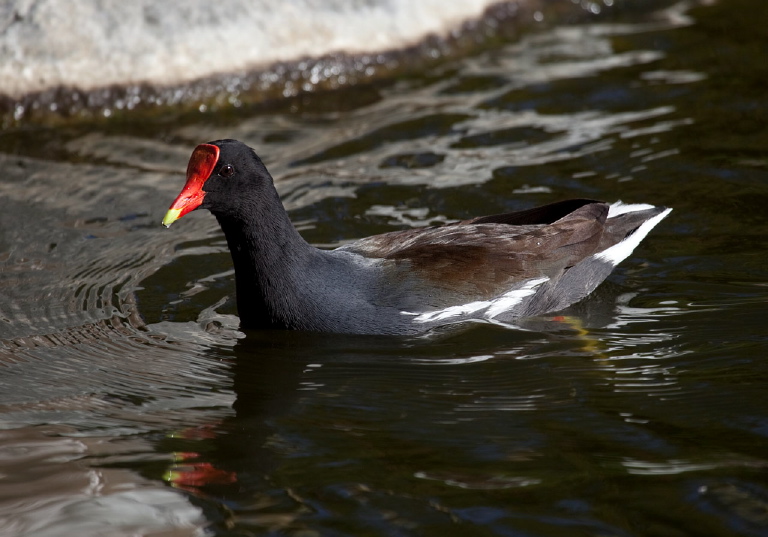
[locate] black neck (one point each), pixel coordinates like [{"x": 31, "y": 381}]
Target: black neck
[{"x": 267, "y": 253}]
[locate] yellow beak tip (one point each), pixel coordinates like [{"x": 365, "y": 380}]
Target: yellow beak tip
[{"x": 171, "y": 216}]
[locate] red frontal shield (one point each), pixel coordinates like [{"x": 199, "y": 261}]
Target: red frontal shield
[{"x": 201, "y": 164}]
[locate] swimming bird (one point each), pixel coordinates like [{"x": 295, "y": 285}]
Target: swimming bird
[{"x": 497, "y": 268}]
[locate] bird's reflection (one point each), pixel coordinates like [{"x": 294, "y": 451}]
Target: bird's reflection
[{"x": 272, "y": 370}]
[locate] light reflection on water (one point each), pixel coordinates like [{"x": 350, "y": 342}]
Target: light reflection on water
[{"x": 129, "y": 398}]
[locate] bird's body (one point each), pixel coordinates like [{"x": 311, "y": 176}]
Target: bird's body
[{"x": 497, "y": 268}]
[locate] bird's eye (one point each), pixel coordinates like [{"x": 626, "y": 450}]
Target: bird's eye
[{"x": 227, "y": 170}]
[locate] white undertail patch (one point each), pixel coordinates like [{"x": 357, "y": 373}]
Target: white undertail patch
[
  {"x": 620, "y": 251},
  {"x": 615, "y": 209}
]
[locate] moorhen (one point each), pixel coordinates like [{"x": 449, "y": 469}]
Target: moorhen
[{"x": 495, "y": 268}]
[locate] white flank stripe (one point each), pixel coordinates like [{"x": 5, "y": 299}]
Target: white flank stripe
[
  {"x": 619, "y": 252},
  {"x": 452, "y": 311},
  {"x": 493, "y": 308},
  {"x": 615, "y": 209},
  {"x": 511, "y": 299}
]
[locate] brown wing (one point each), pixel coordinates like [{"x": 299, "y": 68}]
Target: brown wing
[{"x": 481, "y": 258}]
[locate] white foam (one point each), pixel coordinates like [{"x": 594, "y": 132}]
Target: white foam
[
  {"x": 96, "y": 43},
  {"x": 493, "y": 308},
  {"x": 620, "y": 251}
]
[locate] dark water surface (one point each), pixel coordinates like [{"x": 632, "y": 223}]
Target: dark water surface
[{"x": 130, "y": 404}]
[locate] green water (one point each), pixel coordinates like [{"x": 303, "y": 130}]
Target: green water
[{"x": 130, "y": 404}]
